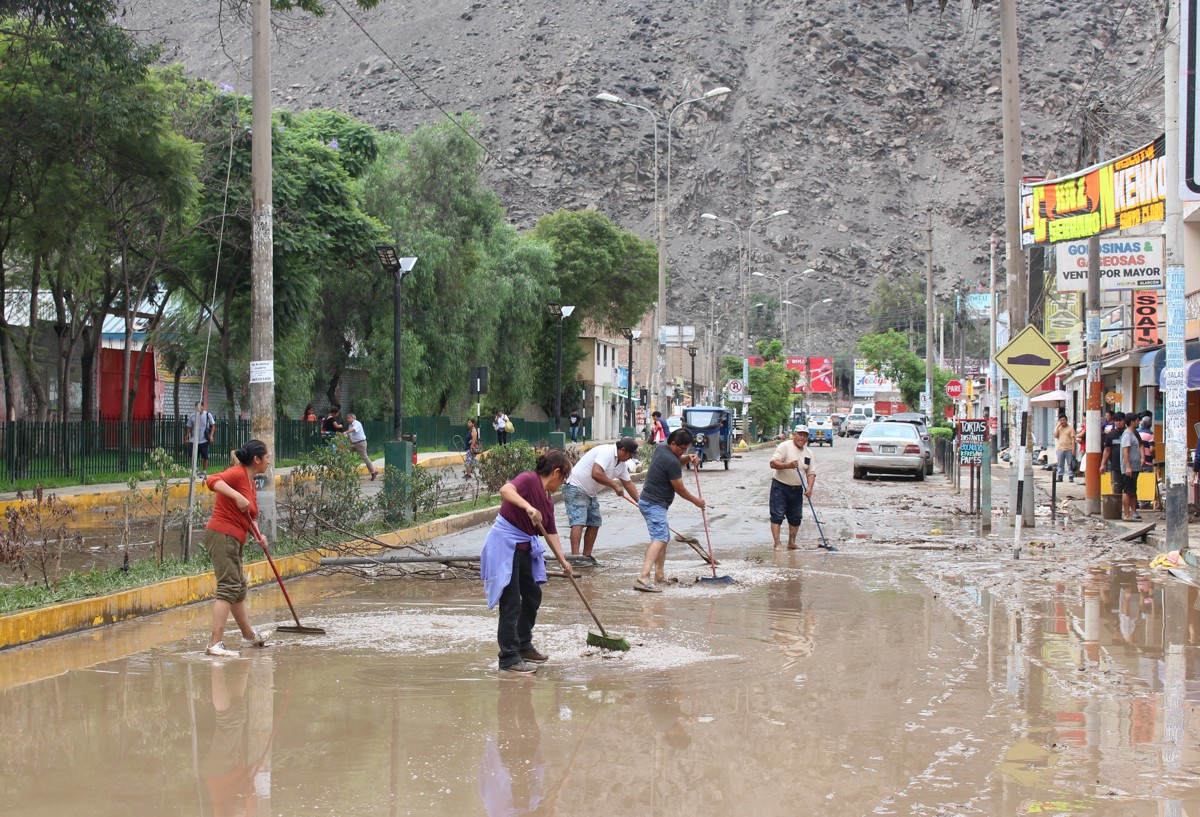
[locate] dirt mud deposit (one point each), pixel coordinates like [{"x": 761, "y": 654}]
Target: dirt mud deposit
[{"x": 876, "y": 680}]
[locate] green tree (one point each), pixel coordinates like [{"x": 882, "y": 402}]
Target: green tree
[
  {"x": 888, "y": 354},
  {"x": 771, "y": 388}
]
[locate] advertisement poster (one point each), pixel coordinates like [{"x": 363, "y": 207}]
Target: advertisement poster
[
  {"x": 1146, "y": 309},
  {"x": 868, "y": 381},
  {"x": 1125, "y": 263},
  {"x": 1064, "y": 318},
  {"x": 799, "y": 365},
  {"x": 1119, "y": 194},
  {"x": 820, "y": 377}
]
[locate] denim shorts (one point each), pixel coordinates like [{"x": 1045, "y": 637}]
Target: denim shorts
[
  {"x": 582, "y": 510},
  {"x": 786, "y": 502},
  {"x": 656, "y": 521}
]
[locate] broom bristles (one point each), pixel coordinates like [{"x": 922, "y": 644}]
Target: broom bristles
[{"x": 595, "y": 639}]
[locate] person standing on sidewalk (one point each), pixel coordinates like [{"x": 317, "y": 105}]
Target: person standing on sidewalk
[
  {"x": 513, "y": 562},
  {"x": 202, "y": 424},
  {"x": 225, "y": 541},
  {"x": 574, "y": 422},
  {"x": 664, "y": 479},
  {"x": 604, "y": 466},
  {"x": 500, "y": 423},
  {"x": 1131, "y": 466},
  {"x": 1064, "y": 448},
  {"x": 794, "y": 479},
  {"x": 358, "y": 439}
]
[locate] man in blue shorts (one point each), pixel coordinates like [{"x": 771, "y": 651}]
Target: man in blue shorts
[
  {"x": 664, "y": 479},
  {"x": 603, "y": 466}
]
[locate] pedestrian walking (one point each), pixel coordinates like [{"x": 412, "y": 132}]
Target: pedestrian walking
[
  {"x": 575, "y": 424},
  {"x": 225, "y": 541},
  {"x": 664, "y": 480},
  {"x": 200, "y": 424},
  {"x": 1064, "y": 448},
  {"x": 604, "y": 466},
  {"x": 513, "y": 563},
  {"x": 795, "y": 475},
  {"x": 1130, "y": 466},
  {"x": 500, "y": 423},
  {"x": 658, "y": 430},
  {"x": 474, "y": 447},
  {"x": 358, "y": 439}
]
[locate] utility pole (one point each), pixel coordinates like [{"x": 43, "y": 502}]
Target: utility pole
[
  {"x": 1175, "y": 414},
  {"x": 262, "y": 310},
  {"x": 1095, "y": 385},
  {"x": 929, "y": 309},
  {"x": 1014, "y": 256}
]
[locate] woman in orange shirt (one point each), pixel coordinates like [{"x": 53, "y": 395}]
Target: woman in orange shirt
[{"x": 225, "y": 539}]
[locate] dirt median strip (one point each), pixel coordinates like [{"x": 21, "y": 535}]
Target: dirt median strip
[{"x": 28, "y": 626}]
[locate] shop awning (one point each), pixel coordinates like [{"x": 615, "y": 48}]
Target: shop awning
[
  {"x": 1192, "y": 371},
  {"x": 1154, "y": 360},
  {"x": 1049, "y": 398}
]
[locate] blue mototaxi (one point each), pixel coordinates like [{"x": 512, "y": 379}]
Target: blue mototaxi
[{"x": 710, "y": 427}]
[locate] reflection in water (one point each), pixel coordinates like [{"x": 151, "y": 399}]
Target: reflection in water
[
  {"x": 512, "y": 772},
  {"x": 237, "y": 765},
  {"x": 791, "y": 625}
]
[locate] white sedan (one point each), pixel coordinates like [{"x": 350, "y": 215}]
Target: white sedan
[{"x": 890, "y": 448}]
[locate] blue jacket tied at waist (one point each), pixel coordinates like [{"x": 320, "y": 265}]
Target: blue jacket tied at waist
[{"x": 496, "y": 559}]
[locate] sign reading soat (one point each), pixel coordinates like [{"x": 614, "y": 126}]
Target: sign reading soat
[
  {"x": 1119, "y": 194},
  {"x": 1145, "y": 318}
]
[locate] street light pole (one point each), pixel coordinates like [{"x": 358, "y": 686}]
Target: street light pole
[
  {"x": 806, "y": 310},
  {"x": 660, "y": 308},
  {"x": 746, "y": 279},
  {"x": 398, "y": 267},
  {"x": 631, "y": 335},
  {"x": 785, "y": 300},
  {"x": 562, "y": 313},
  {"x": 692, "y": 351}
]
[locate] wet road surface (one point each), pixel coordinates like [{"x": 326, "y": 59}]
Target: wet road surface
[{"x": 881, "y": 679}]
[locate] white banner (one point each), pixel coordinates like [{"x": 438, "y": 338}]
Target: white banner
[
  {"x": 868, "y": 381},
  {"x": 1125, "y": 263}
]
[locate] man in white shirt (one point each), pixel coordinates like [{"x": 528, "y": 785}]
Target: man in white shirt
[
  {"x": 358, "y": 439},
  {"x": 604, "y": 466},
  {"x": 794, "y": 478},
  {"x": 202, "y": 423}
]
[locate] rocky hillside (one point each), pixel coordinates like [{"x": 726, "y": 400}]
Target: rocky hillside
[{"x": 854, "y": 115}]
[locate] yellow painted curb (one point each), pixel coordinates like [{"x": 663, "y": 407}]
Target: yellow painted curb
[{"x": 27, "y": 626}]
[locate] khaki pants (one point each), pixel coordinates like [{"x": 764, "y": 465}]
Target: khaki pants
[
  {"x": 226, "y": 554},
  {"x": 361, "y": 448}
]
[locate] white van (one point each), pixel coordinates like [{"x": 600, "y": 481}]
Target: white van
[{"x": 860, "y": 415}]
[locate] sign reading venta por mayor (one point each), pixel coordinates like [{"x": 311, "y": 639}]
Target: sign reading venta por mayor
[
  {"x": 1119, "y": 194},
  {"x": 1125, "y": 263}
]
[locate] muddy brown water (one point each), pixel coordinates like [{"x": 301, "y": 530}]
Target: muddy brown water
[{"x": 877, "y": 680}]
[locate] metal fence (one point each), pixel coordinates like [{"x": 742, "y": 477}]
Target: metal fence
[{"x": 104, "y": 450}]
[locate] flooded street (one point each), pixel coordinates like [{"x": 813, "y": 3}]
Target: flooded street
[{"x": 885, "y": 678}]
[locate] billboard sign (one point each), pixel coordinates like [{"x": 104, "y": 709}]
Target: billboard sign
[
  {"x": 1119, "y": 194},
  {"x": 867, "y": 381},
  {"x": 1125, "y": 263}
]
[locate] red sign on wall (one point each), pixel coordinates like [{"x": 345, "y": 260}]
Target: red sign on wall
[
  {"x": 799, "y": 365},
  {"x": 820, "y": 375},
  {"x": 1145, "y": 317}
]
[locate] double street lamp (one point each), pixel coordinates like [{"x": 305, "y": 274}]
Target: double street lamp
[
  {"x": 745, "y": 281},
  {"x": 660, "y": 308},
  {"x": 562, "y": 313},
  {"x": 784, "y": 290},
  {"x": 631, "y": 335},
  {"x": 399, "y": 267}
]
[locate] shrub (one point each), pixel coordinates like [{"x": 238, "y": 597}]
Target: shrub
[
  {"x": 324, "y": 490},
  {"x": 404, "y": 495},
  {"x": 945, "y": 433},
  {"x": 503, "y": 462}
]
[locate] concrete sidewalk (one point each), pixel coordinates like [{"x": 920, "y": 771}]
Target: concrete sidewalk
[{"x": 1071, "y": 498}]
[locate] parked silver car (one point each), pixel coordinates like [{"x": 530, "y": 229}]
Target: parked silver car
[
  {"x": 889, "y": 448},
  {"x": 922, "y": 423}
]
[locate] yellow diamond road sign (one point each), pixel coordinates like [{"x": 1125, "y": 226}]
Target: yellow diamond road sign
[{"x": 1029, "y": 359}]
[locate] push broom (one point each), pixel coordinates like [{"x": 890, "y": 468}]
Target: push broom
[
  {"x": 714, "y": 578},
  {"x": 282, "y": 628},
  {"x": 594, "y": 639}
]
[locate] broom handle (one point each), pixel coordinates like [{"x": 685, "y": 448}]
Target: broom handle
[
  {"x": 704, "y": 516},
  {"x": 571, "y": 579},
  {"x": 262, "y": 543}
]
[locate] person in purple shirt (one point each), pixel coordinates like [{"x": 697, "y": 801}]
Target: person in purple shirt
[{"x": 513, "y": 563}]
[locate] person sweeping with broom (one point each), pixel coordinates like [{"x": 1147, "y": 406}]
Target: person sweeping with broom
[
  {"x": 664, "y": 479},
  {"x": 225, "y": 540},
  {"x": 794, "y": 478},
  {"x": 513, "y": 563}
]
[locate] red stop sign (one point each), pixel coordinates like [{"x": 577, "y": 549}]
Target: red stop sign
[{"x": 954, "y": 389}]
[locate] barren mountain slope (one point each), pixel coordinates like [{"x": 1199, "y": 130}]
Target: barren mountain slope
[{"x": 853, "y": 115}]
